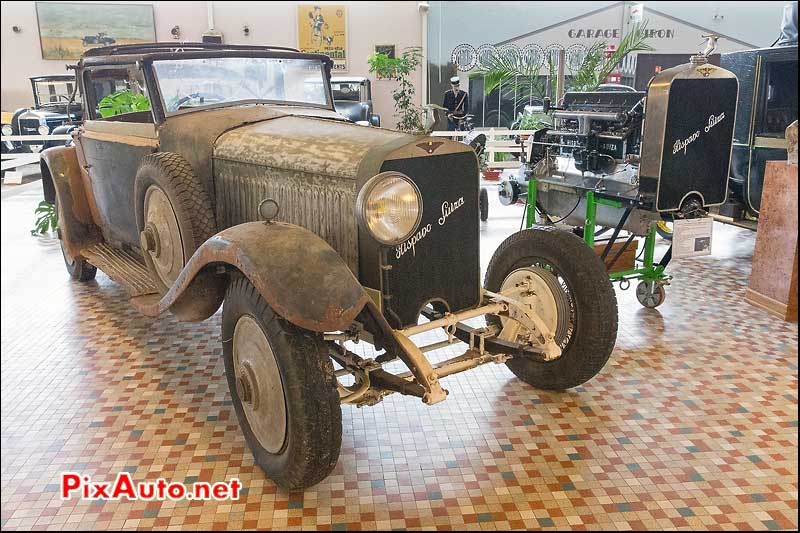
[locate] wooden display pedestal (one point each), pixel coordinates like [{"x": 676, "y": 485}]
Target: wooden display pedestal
[{"x": 773, "y": 281}]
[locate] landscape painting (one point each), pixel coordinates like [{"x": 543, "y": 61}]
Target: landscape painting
[{"x": 66, "y": 30}]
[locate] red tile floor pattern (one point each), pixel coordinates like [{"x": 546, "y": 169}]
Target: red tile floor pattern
[{"x": 692, "y": 424}]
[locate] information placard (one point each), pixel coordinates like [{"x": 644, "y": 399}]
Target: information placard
[{"x": 691, "y": 237}]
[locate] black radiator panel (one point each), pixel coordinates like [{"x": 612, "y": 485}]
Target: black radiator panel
[
  {"x": 697, "y": 148},
  {"x": 445, "y": 263}
]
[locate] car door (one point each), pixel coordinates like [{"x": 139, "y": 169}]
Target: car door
[{"x": 118, "y": 132}]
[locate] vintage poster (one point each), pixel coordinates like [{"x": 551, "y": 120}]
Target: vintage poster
[
  {"x": 66, "y": 30},
  {"x": 323, "y": 28}
]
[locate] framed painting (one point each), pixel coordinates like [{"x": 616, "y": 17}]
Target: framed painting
[
  {"x": 386, "y": 49},
  {"x": 66, "y": 29}
]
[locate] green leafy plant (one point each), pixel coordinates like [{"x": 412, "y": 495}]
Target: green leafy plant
[
  {"x": 120, "y": 102},
  {"x": 47, "y": 218},
  {"x": 532, "y": 121},
  {"x": 596, "y": 67},
  {"x": 512, "y": 71},
  {"x": 400, "y": 69}
]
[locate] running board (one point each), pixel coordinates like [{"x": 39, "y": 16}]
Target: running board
[{"x": 123, "y": 267}]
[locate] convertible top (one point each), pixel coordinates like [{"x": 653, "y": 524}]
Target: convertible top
[
  {"x": 128, "y": 53},
  {"x": 149, "y": 48}
]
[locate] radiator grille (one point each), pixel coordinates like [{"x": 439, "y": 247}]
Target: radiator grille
[
  {"x": 321, "y": 204},
  {"x": 29, "y": 125}
]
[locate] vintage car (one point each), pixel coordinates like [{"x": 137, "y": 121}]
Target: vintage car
[
  {"x": 56, "y": 110},
  {"x": 352, "y": 97},
  {"x": 312, "y": 233},
  {"x": 767, "y": 105}
]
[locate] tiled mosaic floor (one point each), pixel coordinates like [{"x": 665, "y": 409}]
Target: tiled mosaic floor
[{"x": 692, "y": 425}]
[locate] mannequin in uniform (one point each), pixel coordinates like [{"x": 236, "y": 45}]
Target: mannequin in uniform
[{"x": 457, "y": 103}]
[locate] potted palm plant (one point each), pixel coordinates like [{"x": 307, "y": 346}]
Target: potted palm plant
[{"x": 524, "y": 77}]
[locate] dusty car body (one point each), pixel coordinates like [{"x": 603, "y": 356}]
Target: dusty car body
[
  {"x": 56, "y": 110},
  {"x": 247, "y": 189}
]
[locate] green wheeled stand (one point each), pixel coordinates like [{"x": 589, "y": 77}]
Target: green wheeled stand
[{"x": 651, "y": 274}]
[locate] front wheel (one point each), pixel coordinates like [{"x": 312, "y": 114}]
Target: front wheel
[
  {"x": 572, "y": 294},
  {"x": 283, "y": 389}
]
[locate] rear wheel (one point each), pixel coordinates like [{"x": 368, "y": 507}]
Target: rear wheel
[
  {"x": 78, "y": 268},
  {"x": 572, "y": 294},
  {"x": 283, "y": 388}
]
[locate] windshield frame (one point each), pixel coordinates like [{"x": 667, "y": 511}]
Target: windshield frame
[
  {"x": 36, "y": 80},
  {"x": 159, "y": 106}
]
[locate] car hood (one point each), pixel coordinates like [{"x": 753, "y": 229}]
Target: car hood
[{"x": 308, "y": 144}]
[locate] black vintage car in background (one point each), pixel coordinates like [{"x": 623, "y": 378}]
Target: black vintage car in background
[
  {"x": 56, "y": 110},
  {"x": 767, "y": 105},
  {"x": 352, "y": 97}
]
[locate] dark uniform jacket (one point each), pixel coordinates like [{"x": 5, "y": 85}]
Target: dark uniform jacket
[{"x": 456, "y": 103}]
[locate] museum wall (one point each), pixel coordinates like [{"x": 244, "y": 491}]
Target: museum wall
[{"x": 369, "y": 23}]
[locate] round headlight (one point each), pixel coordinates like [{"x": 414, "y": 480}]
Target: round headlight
[
  {"x": 390, "y": 207},
  {"x": 44, "y": 129},
  {"x": 7, "y": 129}
]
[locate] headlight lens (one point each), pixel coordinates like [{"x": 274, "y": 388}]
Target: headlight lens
[
  {"x": 390, "y": 207},
  {"x": 7, "y": 129},
  {"x": 44, "y": 129}
]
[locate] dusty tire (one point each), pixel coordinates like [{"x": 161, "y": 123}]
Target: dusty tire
[
  {"x": 172, "y": 175},
  {"x": 78, "y": 268},
  {"x": 483, "y": 204},
  {"x": 313, "y": 417},
  {"x": 592, "y": 304}
]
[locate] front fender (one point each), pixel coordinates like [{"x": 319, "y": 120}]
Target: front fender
[{"x": 300, "y": 276}]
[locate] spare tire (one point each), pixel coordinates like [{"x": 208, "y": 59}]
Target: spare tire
[{"x": 173, "y": 213}]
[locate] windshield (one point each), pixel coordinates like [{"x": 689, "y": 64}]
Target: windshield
[
  {"x": 192, "y": 83},
  {"x": 50, "y": 92}
]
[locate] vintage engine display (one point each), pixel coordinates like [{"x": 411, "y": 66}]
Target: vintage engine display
[
  {"x": 676, "y": 159},
  {"x": 629, "y": 160}
]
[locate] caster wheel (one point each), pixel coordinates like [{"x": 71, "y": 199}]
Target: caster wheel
[{"x": 650, "y": 294}]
